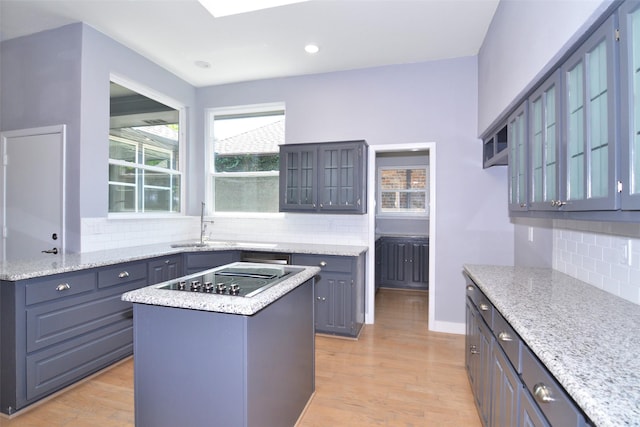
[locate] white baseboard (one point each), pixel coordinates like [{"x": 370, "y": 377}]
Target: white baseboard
[{"x": 447, "y": 327}]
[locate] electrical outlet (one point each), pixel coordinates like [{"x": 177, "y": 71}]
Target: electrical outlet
[{"x": 530, "y": 234}]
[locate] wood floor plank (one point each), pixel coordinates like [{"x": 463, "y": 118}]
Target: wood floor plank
[{"x": 397, "y": 373}]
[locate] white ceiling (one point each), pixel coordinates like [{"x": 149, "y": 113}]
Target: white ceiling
[{"x": 269, "y": 43}]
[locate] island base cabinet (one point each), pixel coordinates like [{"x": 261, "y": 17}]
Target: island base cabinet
[{"x": 200, "y": 368}]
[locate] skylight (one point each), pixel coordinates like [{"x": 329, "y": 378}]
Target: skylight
[{"x": 219, "y": 8}]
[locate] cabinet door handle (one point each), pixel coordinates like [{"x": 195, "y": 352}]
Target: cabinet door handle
[
  {"x": 473, "y": 349},
  {"x": 323, "y": 263},
  {"x": 542, "y": 393},
  {"x": 321, "y": 298},
  {"x": 470, "y": 287},
  {"x": 167, "y": 261},
  {"x": 504, "y": 337},
  {"x": 63, "y": 287},
  {"x": 484, "y": 307},
  {"x": 123, "y": 274}
]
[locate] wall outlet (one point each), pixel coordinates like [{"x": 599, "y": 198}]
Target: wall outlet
[{"x": 530, "y": 234}]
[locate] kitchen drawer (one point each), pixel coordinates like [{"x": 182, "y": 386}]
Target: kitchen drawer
[
  {"x": 326, "y": 263},
  {"x": 481, "y": 302},
  {"x": 551, "y": 398},
  {"x": 58, "y": 366},
  {"x": 59, "y": 286},
  {"x": 52, "y": 323},
  {"x": 507, "y": 338},
  {"x": 122, "y": 273}
]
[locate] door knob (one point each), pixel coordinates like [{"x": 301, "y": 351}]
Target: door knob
[{"x": 51, "y": 251}]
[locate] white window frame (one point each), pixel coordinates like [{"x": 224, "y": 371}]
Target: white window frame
[
  {"x": 210, "y": 173},
  {"x": 182, "y": 141},
  {"x": 406, "y": 214}
]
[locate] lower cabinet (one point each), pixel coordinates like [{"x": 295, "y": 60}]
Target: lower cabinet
[
  {"x": 199, "y": 261},
  {"x": 165, "y": 268},
  {"x": 404, "y": 262},
  {"x": 510, "y": 385},
  {"x": 61, "y": 328},
  {"x": 339, "y": 292}
]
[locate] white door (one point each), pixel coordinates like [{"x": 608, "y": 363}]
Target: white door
[{"x": 33, "y": 182}]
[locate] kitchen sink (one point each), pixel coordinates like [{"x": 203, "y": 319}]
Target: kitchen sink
[{"x": 221, "y": 243}]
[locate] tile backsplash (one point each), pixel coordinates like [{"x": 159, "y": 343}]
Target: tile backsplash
[
  {"x": 606, "y": 260},
  {"x": 105, "y": 233}
]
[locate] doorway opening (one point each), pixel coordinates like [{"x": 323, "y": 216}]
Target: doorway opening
[{"x": 406, "y": 216}]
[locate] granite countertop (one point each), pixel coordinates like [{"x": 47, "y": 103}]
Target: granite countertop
[
  {"x": 153, "y": 295},
  {"x": 63, "y": 263},
  {"x": 587, "y": 338}
]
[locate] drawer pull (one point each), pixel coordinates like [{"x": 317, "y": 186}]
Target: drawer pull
[
  {"x": 505, "y": 337},
  {"x": 323, "y": 263},
  {"x": 542, "y": 393},
  {"x": 63, "y": 287},
  {"x": 473, "y": 349},
  {"x": 470, "y": 287},
  {"x": 321, "y": 298},
  {"x": 484, "y": 307},
  {"x": 123, "y": 274}
]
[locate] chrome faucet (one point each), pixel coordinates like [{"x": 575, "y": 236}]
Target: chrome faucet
[{"x": 203, "y": 224}]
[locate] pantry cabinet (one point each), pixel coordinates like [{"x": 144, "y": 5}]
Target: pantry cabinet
[
  {"x": 404, "y": 262},
  {"x": 324, "y": 177}
]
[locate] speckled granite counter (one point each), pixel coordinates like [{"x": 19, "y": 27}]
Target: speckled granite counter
[
  {"x": 62, "y": 263},
  {"x": 153, "y": 295},
  {"x": 587, "y": 338}
]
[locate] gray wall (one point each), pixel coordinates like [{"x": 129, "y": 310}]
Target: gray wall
[
  {"x": 523, "y": 38},
  {"x": 61, "y": 76},
  {"x": 434, "y": 101}
]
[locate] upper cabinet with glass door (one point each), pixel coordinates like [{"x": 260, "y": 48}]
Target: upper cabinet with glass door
[
  {"x": 544, "y": 144},
  {"x": 630, "y": 117},
  {"x": 589, "y": 101},
  {"x": 324, "y": 177},
  {"x": 517, "y": 141}
]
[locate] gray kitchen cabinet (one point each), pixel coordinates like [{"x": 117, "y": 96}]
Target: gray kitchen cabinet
[
  {"x": 510, "y": 385},
  {"x": 495, "y": 149},
  {"x": 378, "y": 263},
  {"x": 545, "y": 191},
  {"x": 339, "y": 292},
  {"x": 165, "y": 268},
  {"x": 324, "y": 177},
  {"x": 199, "y": 261},
  {"x": 518, "y": 159},
  {"x": 405, "y": 262},
  {"x": 630, "y": 111},
  {"x": 61, "y": 328},
  {"x": 590, "y": 128}
]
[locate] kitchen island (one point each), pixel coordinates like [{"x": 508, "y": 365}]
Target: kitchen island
[{"x": 224, "y": 360}]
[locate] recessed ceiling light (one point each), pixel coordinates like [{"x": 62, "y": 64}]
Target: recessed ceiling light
[
  {"x": 202, "y": 64},
  {"x": 219, "y": 8},
  {"x": 311, "y": 48}
]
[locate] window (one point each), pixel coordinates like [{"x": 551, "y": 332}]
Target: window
[
  {"x": 403, "y": 191},
  {"x": 244, "y": 161},
  {"x": 144, "y": 154}
]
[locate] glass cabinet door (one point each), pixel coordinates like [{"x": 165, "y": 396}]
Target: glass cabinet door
[
  {"x": 544, "y": 141},
  {"x": 630, "y": 119},
  {"x": 299, "y": 184},
  {"x": 589, "y": 100},
  {"x": 517, "y": 141},
  {"x": 340, "y": 175}
]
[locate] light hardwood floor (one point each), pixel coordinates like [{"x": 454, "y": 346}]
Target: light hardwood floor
[{"x": 397, "y": 374}]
